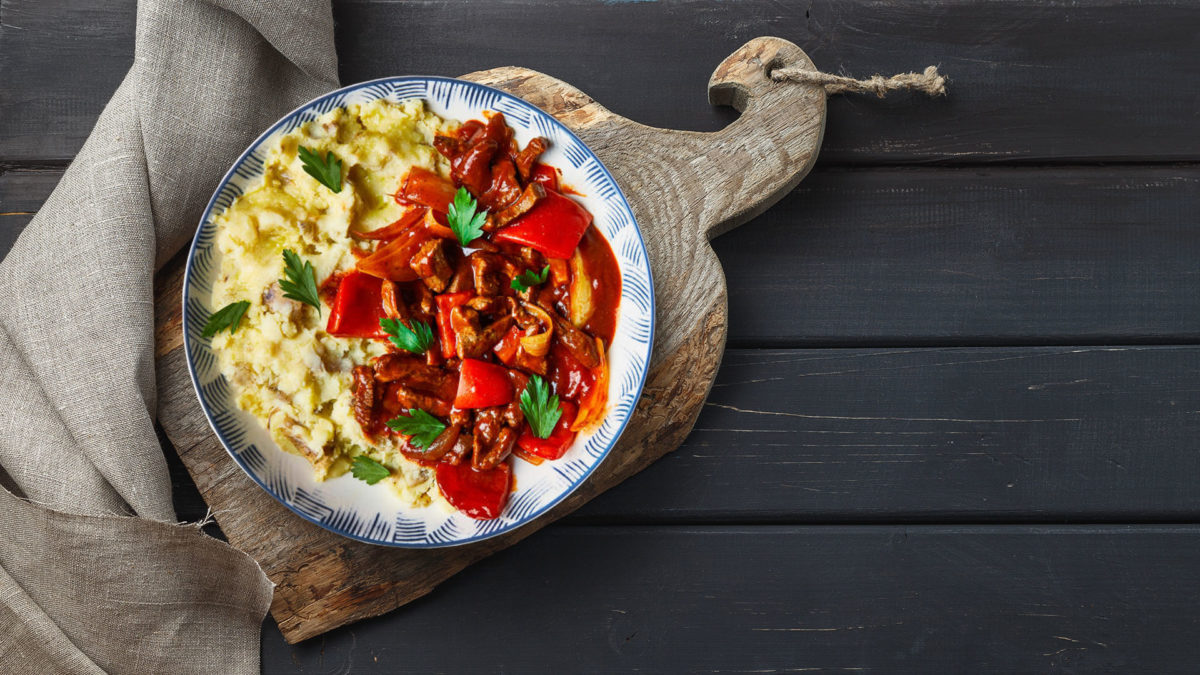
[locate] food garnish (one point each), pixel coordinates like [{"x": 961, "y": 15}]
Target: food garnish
[
  {"x": 415, "y": 339},
  {"x": 420, "y": 425},
  {"x": 229, "y": 316},
  {"x": 464, "y": 218},
  {"x": 541, "y": 408},
  {"x": 528, "y": 279},
  {"x": 467, "y": 328},
  {"x": 557, "y": 443},
  {"x": 300, "y": 281},
  {"x": 326, "y": 170},
  {"x": 368, "y": 470}
]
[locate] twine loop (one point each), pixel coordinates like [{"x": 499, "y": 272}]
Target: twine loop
[{"x": 929, "y": 82}]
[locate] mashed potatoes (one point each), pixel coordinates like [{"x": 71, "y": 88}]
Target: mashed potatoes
[{"x": 286, "y": 369}]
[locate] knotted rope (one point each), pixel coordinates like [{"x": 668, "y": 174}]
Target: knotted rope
[{"x": 929, "y": 82}]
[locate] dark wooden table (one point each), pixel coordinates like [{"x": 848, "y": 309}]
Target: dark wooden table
[{"x": 957, "y": 427}]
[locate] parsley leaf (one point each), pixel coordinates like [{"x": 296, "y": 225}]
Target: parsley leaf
[
  {"x": 465, "y": 219},
  {"x": 530, "y": 278},
  {"x": 419, "y": 424},
  {"x": 416, "y": 339},
  {"x": 540, "y": 408},
  {"x": 300, "y": 281},
  {"x": 326, "y": 170},
  {"x": 368, "y": 470},
  {"x": 229, "y": 316}
]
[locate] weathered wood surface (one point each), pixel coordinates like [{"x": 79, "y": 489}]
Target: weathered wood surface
[
  {"x": 986, "y": 256},
  {"x": 1021, "y": 434},
  {"x": 21, "y": 195},
  {"x": 1032, "y": 83},
  {"x": 1105, "y": 86},
  {"x": 923, "y": 599},
  {"x": 683, "y": 187},
  {"x": 880, "y": 469},
  {"x": 930, "y": 256}
]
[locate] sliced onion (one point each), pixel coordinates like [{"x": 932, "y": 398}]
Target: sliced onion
[
  {"x": 582, "y": 306},
  {"x": 592, "y": 408},
  {"x": 391, "y": 261},
  {"x": 437, "y": 225},
  {"x": 539, "y": 344},
  {"x": 427, "y": 188},
  {"x": 406, "y": 221},
  {"x": 560, "y": 274}
]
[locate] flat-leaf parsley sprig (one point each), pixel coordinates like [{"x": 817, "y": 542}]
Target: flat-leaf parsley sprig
[
  {"x": 529, "y": 278},
  {"x": 415, "y": 339},
  {"x": 300, "y": 280},
  {"x": 368, "y": 470},
  {"x": 464, "y": 217},
  {"x": 422, "y": 427},
  {"x": 326, "y": 170},
  {"x": 229, "y": 316},
  {"x": 540, "y": 408}
]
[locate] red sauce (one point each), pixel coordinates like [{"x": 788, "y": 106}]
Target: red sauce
[
  {"x": 471, "y": 300},
  {"x": 602, "y": 267},
  {"x": 571, "y": 380}
]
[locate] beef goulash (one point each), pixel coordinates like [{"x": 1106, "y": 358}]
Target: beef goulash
[{"x": 417, "y": 302}]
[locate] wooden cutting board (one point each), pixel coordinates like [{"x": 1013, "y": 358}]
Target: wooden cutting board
[{"x": 684, "y": 187}]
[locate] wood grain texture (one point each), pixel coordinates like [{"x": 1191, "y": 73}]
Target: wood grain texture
[
  {"x": 770, "y": 466},
  {"x": 918, "y": 599},
  {"x": 903, "y": 256},
  {"x": 683, "y": 187},
  {"x": 929, "y": 256},
  {"x": 1024, "y": 434},
  {"x": 61, "y": 60},
  {"x": 987, "y": 256},
  {"x": 22, "y": 193},
  {"x": 1105, "y": 86}
]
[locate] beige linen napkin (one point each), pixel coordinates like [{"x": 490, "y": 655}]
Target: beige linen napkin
[{"x": 94, "y": 575}]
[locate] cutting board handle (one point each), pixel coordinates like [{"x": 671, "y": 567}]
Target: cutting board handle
[
  {"x": 708, "y": 183},
  {"x": 767, "y": 151}
]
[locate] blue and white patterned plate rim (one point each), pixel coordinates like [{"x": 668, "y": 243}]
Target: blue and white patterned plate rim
[{"x": 316, "y": 105}]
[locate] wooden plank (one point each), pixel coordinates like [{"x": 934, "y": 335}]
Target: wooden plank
[
  {"x": 1031, "y": 81},
  {"x": 21, "y": 195},
  {"x": 788, "y": 599},
  {"x": 930, "y": 435},
  {"x": 989, "y": 256},
  {"x": 62, "y": 60},
  {"x": 1023, "y": 434},
  {"x": 941, "y": 256}
]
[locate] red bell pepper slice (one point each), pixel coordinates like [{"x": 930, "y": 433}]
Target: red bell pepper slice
[
  {"x": 572, "y": 380},
  {"x": 424, "y": 187},
  {"x": 357, "y": 307},
  {"x": 445, "y": 303},
  {"x": 559, "y": 440},
  {"x": 553, "y": 226},
  {"x": 506, "y": 348},
  {"x": 482, "y": 385},
  {"x": 546, "y": 175},
  {"x": 479, "y": 494}
]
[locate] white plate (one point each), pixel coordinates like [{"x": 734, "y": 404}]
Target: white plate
[{"x": 374, "y": 514}]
